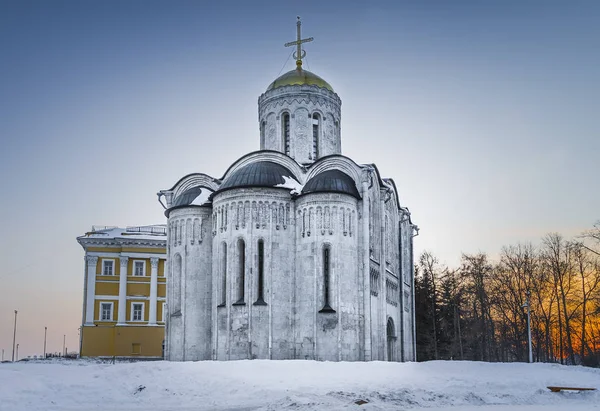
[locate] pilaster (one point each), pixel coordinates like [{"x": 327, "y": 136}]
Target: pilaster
[
  {"x": 121, "y": 319},
  {"x": 92, "y": 261},
  {"x": 153, "y": 290}
]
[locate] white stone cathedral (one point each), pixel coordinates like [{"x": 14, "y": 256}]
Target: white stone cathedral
[{"x": 297, "y": 252}]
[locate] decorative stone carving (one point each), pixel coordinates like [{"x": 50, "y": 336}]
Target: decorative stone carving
[{"x": 91, "y": 259}]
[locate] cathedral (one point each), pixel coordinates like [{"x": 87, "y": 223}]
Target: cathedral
[{"x": 296, "y": 252}]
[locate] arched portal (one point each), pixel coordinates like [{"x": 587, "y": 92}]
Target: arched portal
[{"x": 391, "y": 340}]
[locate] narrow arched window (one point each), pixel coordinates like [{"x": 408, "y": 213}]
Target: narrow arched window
[
  {"x": 241, "y": 271},
  {"x": 327, "y": 280},
  {"x": 285, "y": 127},
  {"x": 223, "y": 274},
  {"x": 263, "y": 126},
  {"x": 261, "y": 274},
  {"x": 316, "y": 124}
]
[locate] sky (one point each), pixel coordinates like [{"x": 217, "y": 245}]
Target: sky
[{"x": 484, "y": 113}]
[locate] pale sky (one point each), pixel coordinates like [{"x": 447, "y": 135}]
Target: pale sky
[{"x": 484, "y": 113}]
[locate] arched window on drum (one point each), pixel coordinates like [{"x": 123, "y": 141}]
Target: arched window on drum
[{"x": 316, "y": 132}]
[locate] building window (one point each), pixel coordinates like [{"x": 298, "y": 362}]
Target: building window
[
  {"x": 223, "y": 275},
  {"x": 137, "y": 311},
  {"x": 106, "y": 311},
  {"x": 327, "y": 281},
  {"x": 316, "y": 131},
  {"x": 241, "y": 246},
  {"x": 139, "y": 268},
  {"x": 263, "y": 126},
  {"x": 285, "y": 126},
  {"x": 164, "y": 312},
  {"x": 136, "y": 348},
  {"x": 108, "y": 267},
  {"x": 261, "y": 273}
]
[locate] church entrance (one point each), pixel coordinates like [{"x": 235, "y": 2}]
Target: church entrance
[{"x": 391, "y": 340}]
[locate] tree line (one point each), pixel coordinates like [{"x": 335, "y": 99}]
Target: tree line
[{"x": 478, "y": 310}]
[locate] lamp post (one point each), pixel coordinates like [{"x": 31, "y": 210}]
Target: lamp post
[
  {"x": 528, "y": 306},
  {"x": 17, "y": 352},
  {"x": 63, "y": 351},
  {"x": 45, "y": 333},
  {"x": 14, "y": 337}
]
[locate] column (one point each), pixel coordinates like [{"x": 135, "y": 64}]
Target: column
[
  {"x": 153, "y": 290},
  {"x": 121, "y": 320},
  {"x": 90, "y": 296},
  {"x": 366, "y": 270}
]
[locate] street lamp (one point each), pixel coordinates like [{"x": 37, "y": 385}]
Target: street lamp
[
  {"x": 14, "y": 337},
  {"x": 45, "y": 333},
  {"x": 17, "y": 352},
  {"x": 528, "y": 306},
  {"x": 63, "y": 351}
]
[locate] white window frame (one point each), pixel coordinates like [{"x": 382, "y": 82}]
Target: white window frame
[
  {"x": 164, "y": 310},
  {"x": 112, "y": 310},
  {"x": 143, "y": 268},
  {"x": 133, "y": 312},
  {"x": 114, "y": 266}
]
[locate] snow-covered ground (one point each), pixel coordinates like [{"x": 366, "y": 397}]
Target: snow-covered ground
[{"x": 293, "y": 385}]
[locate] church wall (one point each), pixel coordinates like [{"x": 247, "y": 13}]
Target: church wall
[
  {"x": 327, "y": 220},
  {"x": 301, "y": 102},
  {"x": 406, "y": 259},
  {"x": 190, "y": 270},
  {"x": 252, "y": 329}
]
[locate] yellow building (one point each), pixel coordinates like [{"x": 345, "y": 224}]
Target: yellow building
[{"x": 124, "y": 303}]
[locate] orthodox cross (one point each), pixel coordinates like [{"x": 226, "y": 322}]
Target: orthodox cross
[{"x": 299, "y": 53}]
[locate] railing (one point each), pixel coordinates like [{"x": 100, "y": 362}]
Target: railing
[
  {"x": 148, "y": 229},
  {"x": 102, "y": 227}
]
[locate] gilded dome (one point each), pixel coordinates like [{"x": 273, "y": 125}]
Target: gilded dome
[{"x": 299, "y": 76}]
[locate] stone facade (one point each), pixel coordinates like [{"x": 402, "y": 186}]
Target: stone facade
[{"x": 296, "y": 252}]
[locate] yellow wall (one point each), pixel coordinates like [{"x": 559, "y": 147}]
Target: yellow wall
[
  {"x": 107, "y": 289},
  {"x": 109, "y": 341},
  {"x": 106, "y": 339},
  {"x": 137, "y": 289}
]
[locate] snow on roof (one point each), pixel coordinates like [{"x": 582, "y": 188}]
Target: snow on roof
[
  {"x": 149, "y": 232},
  {"x": 202, "y": 198},
  {"x": 291, "y": 183}
]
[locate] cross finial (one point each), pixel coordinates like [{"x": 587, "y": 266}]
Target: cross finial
[{"x": 299, "y": 53}]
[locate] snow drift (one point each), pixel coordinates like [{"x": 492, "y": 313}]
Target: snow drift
[{"x": 292, "y": 385}]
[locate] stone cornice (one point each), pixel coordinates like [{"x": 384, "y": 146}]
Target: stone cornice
[{"x": 120, "y": 242}]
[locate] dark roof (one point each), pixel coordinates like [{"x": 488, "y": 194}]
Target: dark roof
[
  {"x": 259, "y": 174},
  {"x": 187, "y": 196},
  {"x": 331, "y": 181}
]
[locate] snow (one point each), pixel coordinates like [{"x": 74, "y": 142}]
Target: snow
[
  {"x": 293, "y": 385},
  {"x": 294, "y": 186},
  {"x": 202, "y": 197},
  {"x": 117, "y": 232}
]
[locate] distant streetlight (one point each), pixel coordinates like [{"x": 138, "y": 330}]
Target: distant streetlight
[
  {"x": 45, "y": 333},
  {"x": 17, "y": 352},
  {"x": 3, "y": 354},
  {"x": 64, "y": 338},
  {"x": 14, "y": 337},
  {"x": 528, "y": 306}
]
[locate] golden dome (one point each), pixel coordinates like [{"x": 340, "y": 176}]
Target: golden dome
[{"x": 299, "y": 77}]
